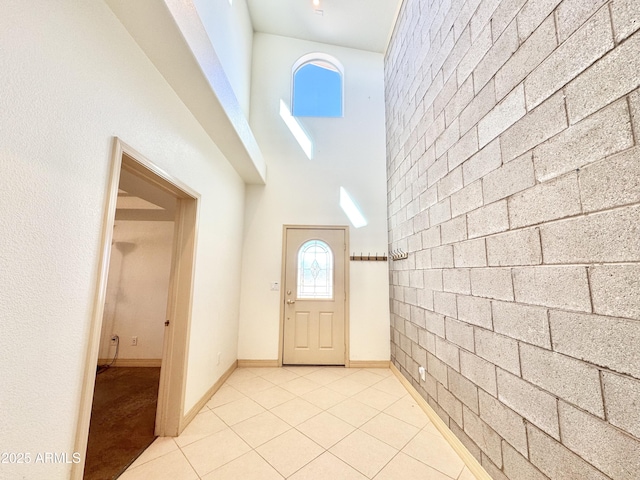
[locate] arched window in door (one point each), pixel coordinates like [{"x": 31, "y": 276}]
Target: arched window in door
[{"x": 315, "y": 270}]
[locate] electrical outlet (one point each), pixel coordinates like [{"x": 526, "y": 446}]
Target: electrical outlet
[
  {"x": 134, "y": 341},
  {"x": 275, "y": 286},
  {"x": 423, "y": 373},
  {"x": 114, "y": 340}
]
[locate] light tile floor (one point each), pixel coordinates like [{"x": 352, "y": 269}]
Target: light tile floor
[{"x": 305, "y": 423}]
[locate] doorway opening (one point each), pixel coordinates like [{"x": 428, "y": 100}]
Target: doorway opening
[
  {"x": 139, "y": 333},
  {"x": 315, "y": 298}
]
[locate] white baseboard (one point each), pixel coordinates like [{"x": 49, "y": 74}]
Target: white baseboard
[
  {"x": 257, "y": 363},
  {"x": 191, "y": 414},
  {"x": 469, "y": 460},
  {"x": 132, "y": 362},
  {"x": 369, "y": 363},
  {"x": 352, "y": 363}
]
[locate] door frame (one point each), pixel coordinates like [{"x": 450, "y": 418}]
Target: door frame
[
  {"x": 285, "y": 229},
  {"x": 170, "y": 418}
]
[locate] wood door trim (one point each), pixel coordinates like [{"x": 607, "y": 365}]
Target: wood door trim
[
  {"x": 285, "y": 229},
  {"x": 172, "y": 390}
]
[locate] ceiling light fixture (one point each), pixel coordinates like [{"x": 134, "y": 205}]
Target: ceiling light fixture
[{"x": 316, "y": 3}]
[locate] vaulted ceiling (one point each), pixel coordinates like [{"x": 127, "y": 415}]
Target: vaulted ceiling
[{"x": 361, "y": 24}]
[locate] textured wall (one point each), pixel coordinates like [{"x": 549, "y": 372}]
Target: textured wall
[
  {"x": 71, "y": 78},
  {"x": 137, "y": 289},
  {"x": 229, "y": 27},
  {"x": 349, "y": 152},
  {"x": 513, "y": 157}
]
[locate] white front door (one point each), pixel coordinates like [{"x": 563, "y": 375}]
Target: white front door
[{"x": 315, "y": 295}]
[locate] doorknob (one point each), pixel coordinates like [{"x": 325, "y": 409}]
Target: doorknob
[{"x": 290, "y": 302}]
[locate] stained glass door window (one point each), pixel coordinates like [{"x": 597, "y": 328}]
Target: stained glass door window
[{"x": 315, "y": 270}]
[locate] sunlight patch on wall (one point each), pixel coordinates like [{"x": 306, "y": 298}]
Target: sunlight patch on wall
[
  {"x": 351, "y": 209},
  {"x": 296, "y": 129}
]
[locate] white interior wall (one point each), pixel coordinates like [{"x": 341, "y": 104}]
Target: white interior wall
[
  {"x": 349, "y": 153},
  {"x": 137, "y": 289},
  {"x": 228, "y": 25},
  {"x": 72, "y": 78}
]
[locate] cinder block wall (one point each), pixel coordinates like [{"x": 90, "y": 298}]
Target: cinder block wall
[{"x": 513, "y": 153}]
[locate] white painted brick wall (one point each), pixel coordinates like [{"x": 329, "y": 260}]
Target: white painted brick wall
[
  {"x": 511, "y": 178},
  {"x": 571, "y": 14},
  {"x": 493, "y": 218},
  {"x": 474, "y": 310},
  {"x": 605, "y": 341},
  {"x": 460, "y": 333},
  {"x": 522, "y": 322},
  {"x": 603, "y": 133},
  {"x": 533, "y": 51},
  {"x": 533, "y": 403},
  {"x": 504, "y": 46},
  {"x": 517, "y": 466},
  {"x": 563, "y": 287},
  {"x": 558, "y": 198},
  {"x": 481, "y": 433},
  {"x": 472, "y": 253},
  {"x": 481, "y": 104},
  {"x": 513, "y": 130},
  {"x": 456, "y": 280},
  {"x": 601, "y": 444},
  {"x": 610, "y": 236},
  {"x": 621, "y": 395},
  {"x": 463, "y": 389},
  {"x": 518, "y": 247},
  {"x": 537, "y": 126},
  {"x": 611, "y": 182},
  {"x": 483, "y": 162},
  {"x": 610, "y": 78},
  {"x": 467, "y": 199},
  {"x": 626, "y": 18},
  {"x": 556, "y": 461},
  {"x": 498, "y": 349},
  {"x": 478, "y": 370},
  {"x": 493, "y": 283},
  {"x": 503, "y": 15},
  {"x": 571, "y": 380},
  {"x": 507, "y": 423},
  {"x": 614, "y": 289},
  {"x": 589, "y": 43}
]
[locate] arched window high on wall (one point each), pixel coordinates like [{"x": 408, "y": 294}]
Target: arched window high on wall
[{"x": 317, "y": 86}]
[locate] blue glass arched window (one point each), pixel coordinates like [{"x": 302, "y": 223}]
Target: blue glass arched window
[{"x": 317, "y": 87}]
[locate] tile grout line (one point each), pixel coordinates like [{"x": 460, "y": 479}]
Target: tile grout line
[{"x": 348, "y": 394}]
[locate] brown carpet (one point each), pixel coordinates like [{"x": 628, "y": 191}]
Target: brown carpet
[{"x": 123, "y": 418}]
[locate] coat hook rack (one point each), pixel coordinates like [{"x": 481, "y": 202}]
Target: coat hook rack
[
  {"x": 368, "y": 258},
  {"x": 398, "y": 254}
]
